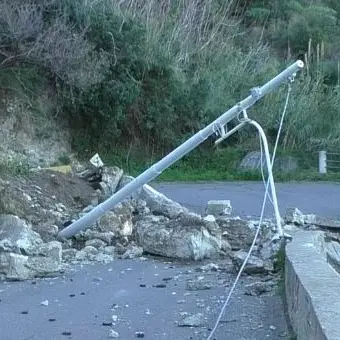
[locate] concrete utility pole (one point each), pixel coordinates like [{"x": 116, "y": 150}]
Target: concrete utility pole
[{"x": 155, "y": 170}]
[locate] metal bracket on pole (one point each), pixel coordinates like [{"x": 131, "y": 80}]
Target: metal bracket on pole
[
  {"x": 148, "y": 175},
  {"x": 229, "y": 133},
  {"x": 243, "y": 121}
]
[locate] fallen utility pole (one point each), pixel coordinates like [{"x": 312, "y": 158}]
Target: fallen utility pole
[{"x": 156, "y": 169}]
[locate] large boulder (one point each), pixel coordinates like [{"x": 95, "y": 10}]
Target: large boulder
[
  {"x": 239, "y": 233},
  {"x": 183, "y": 238},
  {"x": 110, "y": 179},
  {"x": 47, "y": 231},
  {"x": 253, "y": 266},
  {"x": 126, "y": 179},
  {"x": 119, "y": 225},
  {"x": 23, "y": 255},
  {"x": 45, "y": 262},
  {"x": 20, "y": 267},
  {"x": 51, "y": 250},
  {"x": 252, "y": 162},
  {"x": 17, "y": 236},
  {"x": 158, "y": 203}
]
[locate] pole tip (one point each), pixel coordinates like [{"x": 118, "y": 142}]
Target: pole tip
[{"x": 300, "y": 63}]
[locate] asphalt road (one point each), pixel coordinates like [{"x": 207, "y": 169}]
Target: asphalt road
[
  {"x": 85, "y": 300},
  {"x": 247, "y": 197},
  {"x": 83, "y": 303}
]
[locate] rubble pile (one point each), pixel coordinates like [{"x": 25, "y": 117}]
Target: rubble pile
[{"x": 34, "y": 209}]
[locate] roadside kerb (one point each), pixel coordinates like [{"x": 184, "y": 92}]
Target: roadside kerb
[{"x": 312, "y": 289}]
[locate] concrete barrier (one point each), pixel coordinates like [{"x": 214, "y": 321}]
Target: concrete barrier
[{"x": 312, "y": 289}]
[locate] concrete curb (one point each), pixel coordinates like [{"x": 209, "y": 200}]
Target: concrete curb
[{"x": 312, "y": 289}]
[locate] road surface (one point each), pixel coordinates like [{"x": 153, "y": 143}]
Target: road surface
[
  {"x": 83, "y": 303},
  {"x": 150, "y": 296},
  {"x": 247, "y": 197}
]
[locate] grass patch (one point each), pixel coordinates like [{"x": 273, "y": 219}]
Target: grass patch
[
  {"x": 199, "y": 165},
  {"x": 63, "y": 159},
  {"x": 205, "y": 164},
  {"x": 14, "y": 167},
  {"x": 183, "y": 174}
]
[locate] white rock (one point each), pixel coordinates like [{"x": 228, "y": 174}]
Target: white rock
[
  {"x": 69, "y": 254},
  {"x": 113, "y": 333},
  {"x": 110, "y": 250},
  {"x": 44, "y": 303},
  {"x": 209, "y": 218},
  {"x": 210, "y": 267},
  {"x": 103, "y": 258},
  {"x": 219, "y": 207},
  {"x": 133, "y": 252},
  {"x": 96, "y": 243},
  {"x": 90, "y": 250},
  {"x": 126, "y": 228},
  {"x": 27, "y": 196},
  {"x": 194, "y": 320}
]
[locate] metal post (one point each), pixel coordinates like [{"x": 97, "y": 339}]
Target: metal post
[
  {"x": 155, "y": 170},
  {"x": 322, "y": 162}
]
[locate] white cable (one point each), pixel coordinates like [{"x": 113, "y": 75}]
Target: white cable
[
  {"x": 262, "y": 172},
  {"x": 276, "y": 142},
  {"x": 260, "y": 223}
]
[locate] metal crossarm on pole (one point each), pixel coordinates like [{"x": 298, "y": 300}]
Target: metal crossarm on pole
[{"x": 155, "y": 170}]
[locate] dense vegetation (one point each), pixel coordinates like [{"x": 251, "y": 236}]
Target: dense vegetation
[{"x": 143, "y": 75}]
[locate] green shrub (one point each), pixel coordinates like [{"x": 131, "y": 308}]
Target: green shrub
[
  {"x": 146, "y": 75},
  {"x": 15, "y": 166}
]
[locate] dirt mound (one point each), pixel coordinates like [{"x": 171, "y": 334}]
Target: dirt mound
[
  {"x": 44, "y": 196},
  {"x": 68, "y": 189}
]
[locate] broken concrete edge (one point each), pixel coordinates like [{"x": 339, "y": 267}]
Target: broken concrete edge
[
  {"x": 295, "y": 216},
  {"x": 312, "y": 288}
]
